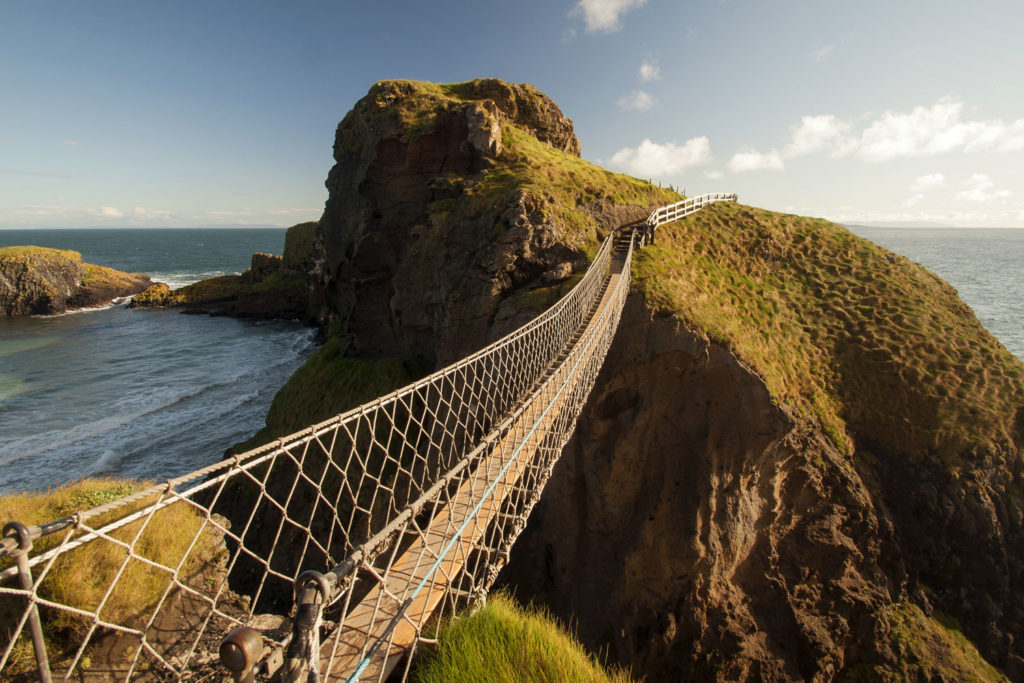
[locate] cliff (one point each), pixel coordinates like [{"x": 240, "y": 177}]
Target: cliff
[
  {"x": 802, "y": 458},
  {"x": 41, "y": 281}
]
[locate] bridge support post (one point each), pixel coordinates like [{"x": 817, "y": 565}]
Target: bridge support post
[{"x": 18, "y": 541}]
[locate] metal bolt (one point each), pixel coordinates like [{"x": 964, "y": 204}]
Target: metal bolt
[{"x": 240, "y": 652}]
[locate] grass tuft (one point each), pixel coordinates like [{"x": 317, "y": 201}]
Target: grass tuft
[{"x": 506, "y": 643}]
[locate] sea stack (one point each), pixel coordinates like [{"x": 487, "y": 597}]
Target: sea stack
[{"x": 41, "y": 281}]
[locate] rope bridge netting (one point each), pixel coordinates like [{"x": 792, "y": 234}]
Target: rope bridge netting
[{"x": 329, "y": 553}]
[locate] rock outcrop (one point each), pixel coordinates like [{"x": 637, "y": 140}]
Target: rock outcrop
[
  {"x": 41, "y": 281},
  {"x": 731, "y": 531},
  {"x": 273, "y": 287},
  {"x": 801, "y": 460}
]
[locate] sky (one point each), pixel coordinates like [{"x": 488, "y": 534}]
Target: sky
[{"x": 216, "y": 113}]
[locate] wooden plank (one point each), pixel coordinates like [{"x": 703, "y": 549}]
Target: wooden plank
[{"x": 426, "y": 563}]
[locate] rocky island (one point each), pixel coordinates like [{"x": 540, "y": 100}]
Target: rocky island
[
  {"x": 42, "y": 281},
  {"x": 802, "y": 459}
]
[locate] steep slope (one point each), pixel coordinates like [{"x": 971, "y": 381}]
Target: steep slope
[
  {"x": 794, "y": 432},
  {"x": 801, "y": 459},
  {"x": 455, "y": 214}
]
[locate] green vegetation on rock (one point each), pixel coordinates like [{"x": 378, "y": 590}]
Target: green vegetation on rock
[
  {"x": 932, "y": 649},
  {"x": 875, "y": 347},
  {"x": 39, "y": 280},
  {"x": 504, "y": 642},
  {"x": 327, "y": 384}
]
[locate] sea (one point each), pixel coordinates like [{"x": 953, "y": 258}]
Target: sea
[
  {"x": 146, "y": 394},
  {"x": 153, "y": 394}
]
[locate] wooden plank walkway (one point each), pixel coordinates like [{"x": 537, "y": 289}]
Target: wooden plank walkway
[{"x": 419, "y": 578}]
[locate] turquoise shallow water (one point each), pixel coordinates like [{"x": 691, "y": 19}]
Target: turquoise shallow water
[{"x": 139, "y": 393}]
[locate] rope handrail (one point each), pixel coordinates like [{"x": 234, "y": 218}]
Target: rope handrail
[{"x": 377, "y": 519}]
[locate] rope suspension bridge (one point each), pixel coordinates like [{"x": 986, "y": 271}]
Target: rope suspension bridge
[{"x": 365, "y": 529}]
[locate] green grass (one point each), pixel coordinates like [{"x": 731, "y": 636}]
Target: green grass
[
  {"x": 877, "y": 349},
  {"x": 327, "y": 384},
  {"x": 556, "y": 184},
  {"x": 81, "y": 577},
  {"x": 40, "y": 252},
  {"x": 504, "y": 643},
  {"x": 932, "y": 649}
]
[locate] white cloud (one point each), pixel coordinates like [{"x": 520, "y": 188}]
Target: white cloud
[
  {"x": 927, "y": 182},
  {"x": 73, "y": 143},
  {"x": 935, "y": 130},
  {"x": 145, "y": 214},
  {"x": 109, "y": 212},
  {"x": 923, "y": 131},
  {"x": 752, "y": 160},
  {"x": 713, "y": 175},
  {"x": 819, "y": 133},
  {"x": 637, "y": 101},
  {"x": 980, "y": 188},
  {"x": 651, "y": 160},
  {"x": 822, "y": 52},
  {"x": 914, "y": 199},
  {"x": 604, "y": 15},
  {"x": 649, "y": 71}
]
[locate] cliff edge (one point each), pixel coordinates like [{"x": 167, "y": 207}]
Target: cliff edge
[{"x": 41, "y": 281}]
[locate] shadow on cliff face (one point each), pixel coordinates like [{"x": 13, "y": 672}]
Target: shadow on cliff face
[{"x": 693, "y": 530}]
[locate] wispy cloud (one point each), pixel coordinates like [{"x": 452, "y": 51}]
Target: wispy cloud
[
  {"x": 649, "y": 71},
  {"x": 714, "y": 175},
  {"x": 636, "y": 101},
  {"x": 73, "y": 143},
  {"x": 927, "y": 182},
  {"x": 109, "y": 212},
  {"x": 604, "y": 16},
  {"x": 654, "y": 160},
  {"x": 752, "y": 160},
  {"x": 980, "y": 188},
  {"x": 821, "y": 54}
]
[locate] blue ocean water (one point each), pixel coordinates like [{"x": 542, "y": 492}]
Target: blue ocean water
[
  {"x": 985, "y": 265},
  {"x": 149, "y": 394}
]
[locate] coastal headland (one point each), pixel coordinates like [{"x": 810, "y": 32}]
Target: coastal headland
[{"x": 802, "y": 459}]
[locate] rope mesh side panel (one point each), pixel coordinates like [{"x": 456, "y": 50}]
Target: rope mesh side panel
[{"x": 364, "y": 488}]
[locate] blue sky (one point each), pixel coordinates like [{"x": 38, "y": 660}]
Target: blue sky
[{"x": 223, "y": 113}]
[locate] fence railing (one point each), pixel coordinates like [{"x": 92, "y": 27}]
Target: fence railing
[
  {"x": 359, "y": 531},
  {"x": 248, "y": 527},
  {"x": 680, "y": 210}
]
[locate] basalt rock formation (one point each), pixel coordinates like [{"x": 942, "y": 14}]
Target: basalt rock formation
[
  {"x": 802, "y": 458},
  {"x": 273, "y": 286},
  {"x": 41, "y": 281}
]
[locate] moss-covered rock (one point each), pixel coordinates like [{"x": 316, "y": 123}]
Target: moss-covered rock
[{"x": 42, "y": 281}]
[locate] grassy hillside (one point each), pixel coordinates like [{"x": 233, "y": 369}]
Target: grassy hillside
[{"x": 877, "y": 348}]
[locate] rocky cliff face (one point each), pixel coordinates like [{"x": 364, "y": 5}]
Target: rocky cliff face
[
  {"x": 40, "y": 281},
  {"x": 802, "y": 457},
  {"x": 432, "y": 219},
  {"x": 731, "y": 534}
]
